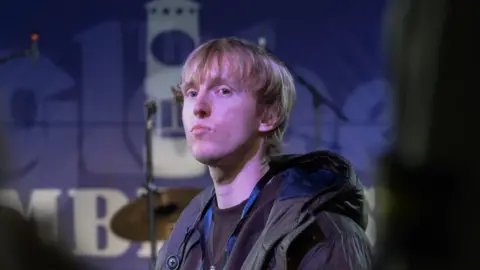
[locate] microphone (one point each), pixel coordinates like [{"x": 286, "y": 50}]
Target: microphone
[
  {"x": 34, "y": 47},
  {"x": 150, "y": 108}
]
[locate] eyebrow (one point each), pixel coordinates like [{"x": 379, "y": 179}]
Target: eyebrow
[
  {"x": 210, "y": 83},
  {"x": 185, "y": 86}
]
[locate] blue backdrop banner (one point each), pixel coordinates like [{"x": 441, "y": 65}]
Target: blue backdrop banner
[{"x": 74, "y": 117}]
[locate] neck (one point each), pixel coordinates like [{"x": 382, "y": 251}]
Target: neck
[{"x": 234, "y": 184}]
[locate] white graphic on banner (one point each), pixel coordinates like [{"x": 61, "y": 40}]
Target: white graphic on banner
[
  {"x": 102, "y": 52},
  {"x": 42, "y": 205},
  {"x": 172, "y": 33},
  {"x": 34, "y": 116},
  {"x": 363, "y": 138},
  {"x": 85, "y": 227},
  {"x": 87, "y": 220}
]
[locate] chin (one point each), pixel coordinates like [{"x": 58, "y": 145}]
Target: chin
[
  {"x": 207, "y": 159},
  {"x": 207, "y": 155}
]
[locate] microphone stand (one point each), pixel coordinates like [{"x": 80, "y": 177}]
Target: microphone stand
[
  {"x": 318, "y": 98},
  {"x": 150, "y": 110},
  {"x": 33, "y": 51}
]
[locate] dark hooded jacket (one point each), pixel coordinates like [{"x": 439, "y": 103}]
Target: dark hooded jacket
[{"x": 318, "y": 221}]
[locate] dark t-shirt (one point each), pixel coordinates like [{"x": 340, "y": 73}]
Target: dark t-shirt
[{"x": 225, "y": 220}]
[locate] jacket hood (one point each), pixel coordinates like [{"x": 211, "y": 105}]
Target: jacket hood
[{"x": 327, "y": 179}]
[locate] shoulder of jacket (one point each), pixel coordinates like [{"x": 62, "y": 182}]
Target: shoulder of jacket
[{"x": 334, "y": 226}]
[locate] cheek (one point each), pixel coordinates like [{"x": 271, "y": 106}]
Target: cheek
[
  {"x": 238, "y": 122},
  {"x": 186, "y": 117}
]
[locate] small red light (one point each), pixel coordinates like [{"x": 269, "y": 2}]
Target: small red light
[{"x": 34, "y": 37}]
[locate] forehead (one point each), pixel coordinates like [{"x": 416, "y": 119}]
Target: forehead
[{"x": 217, "y": 67}]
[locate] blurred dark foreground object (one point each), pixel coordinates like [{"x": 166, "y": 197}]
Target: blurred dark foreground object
[
  {"x": 430, "y": 182},
  {"x": 22, "y": 248}
]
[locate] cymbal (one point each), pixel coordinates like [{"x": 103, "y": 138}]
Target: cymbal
[{"x": 131, "y": 221}]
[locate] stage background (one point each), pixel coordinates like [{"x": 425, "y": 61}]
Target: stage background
[{"x": 74, "y": 118}]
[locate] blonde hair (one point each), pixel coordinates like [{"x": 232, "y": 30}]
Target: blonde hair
[{"x": 252, "y": 67}]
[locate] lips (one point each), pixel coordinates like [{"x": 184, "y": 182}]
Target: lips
[{"x": 198, "y": 128}]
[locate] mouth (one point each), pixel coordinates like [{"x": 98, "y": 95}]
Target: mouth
[{"x": 199, "y": 129}]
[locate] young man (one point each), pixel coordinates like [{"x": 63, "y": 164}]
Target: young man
[{"x": 264, "y": 211}]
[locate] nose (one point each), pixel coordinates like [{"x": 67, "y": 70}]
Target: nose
[{"x": 202, "y": 108}]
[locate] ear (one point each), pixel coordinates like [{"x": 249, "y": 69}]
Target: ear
[{"x": 267, "y": 123}]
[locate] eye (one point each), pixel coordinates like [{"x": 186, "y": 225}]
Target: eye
[
  {"x": 191, "y": 93},
  {"x": 224, "y": 91}
]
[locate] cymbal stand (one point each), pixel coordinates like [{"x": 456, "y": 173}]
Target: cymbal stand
[
  {"x": 318, "y": 98},
  {"x": 150, "y": 111},
  {"x": 14, "y": 55}
]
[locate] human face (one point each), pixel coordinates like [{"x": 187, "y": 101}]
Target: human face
[{"x": 220, "y": 119}]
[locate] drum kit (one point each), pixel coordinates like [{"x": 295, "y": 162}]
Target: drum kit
[{"x": 131, "y": 221}]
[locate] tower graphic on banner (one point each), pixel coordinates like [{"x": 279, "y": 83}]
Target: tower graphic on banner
[{"x": 172, "y": 33}]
